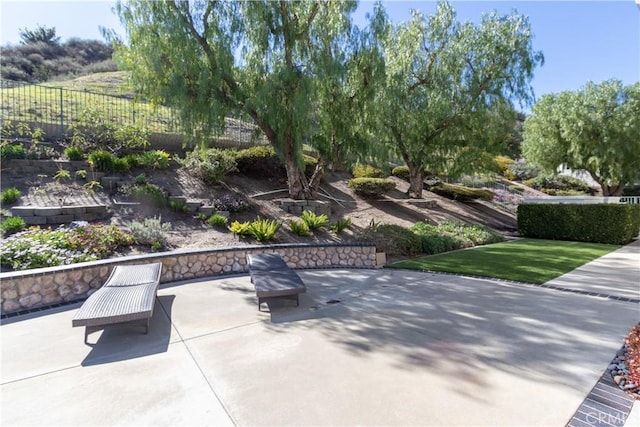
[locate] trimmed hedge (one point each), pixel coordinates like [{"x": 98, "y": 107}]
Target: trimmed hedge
[
  {"x": 366, "y": 171},
  {"x": 460, "y": 193},
  {"x": 598, "y": 223},
  {"x": 263, "y": 162},
  {"x": 393, "y": 239},
  {"x": 371, "y": 187}
]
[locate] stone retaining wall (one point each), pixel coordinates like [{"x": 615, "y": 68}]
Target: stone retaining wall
[
  {"x": 296, "y": 207},
  {"x": 29, "y": 289},
  {"x": 40, "y": 215}
]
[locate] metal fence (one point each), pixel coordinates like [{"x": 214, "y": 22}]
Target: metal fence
[{"x": 54, "y": 109}]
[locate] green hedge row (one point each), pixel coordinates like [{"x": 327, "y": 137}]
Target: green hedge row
[
  {"x": 371, "y": 187},
  {"x": 600, "y": 223},
  {"x": 460, "y": 193}
]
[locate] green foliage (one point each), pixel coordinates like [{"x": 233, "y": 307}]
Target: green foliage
[
  {"x": 261, "y": 162},
  {"x": 74, "y": 153},
  {"x": 264, "y": 229},
  {"x": 523, "y": 170},
  {"x": 150, "y": 232},
  {"x": 35, "y": 247},
  {"x": 601, "y": 223},
  {"x": 149, "y": 194},
  {"x": 290, "y": 52},
  {"x": 12, "y": 225},
  {"x": 208, "y": 165},
  {"x": 10, "y": 151},
  {"x": 62, "y": 175},
  {"x": 460, "y": 193},
  {"x": 393, "y": 239},
  {"x": 314, "y": 221},
  {"x": 594, "y": 129},
  {"x": 241, "y": 229},
  {"x": 371, "y": 187},
  {"x": 435, "y": 62},
  {"x": 558, "y": 185},
  {"x": 504, "y": 166},
  {"x": 92, "y": 185},
  {"x": 340, "y": 225},
  {"x": 217, "y": 220},
  {"x": 104, "y": 161},
  {"x": 154, "y": 159},
  {"x": 10, "y": 195},
  {"x": 366, "y": 171},
  {"x": 41, "y": 34},
  {"x": 299, "y": 227},
  {"x": 178, "y": 206},
  {"x": 449, "y": 236},
  {"x": 401, "y": 172},
  {"x": 141, "y": 179}
]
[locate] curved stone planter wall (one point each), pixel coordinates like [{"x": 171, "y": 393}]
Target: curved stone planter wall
[{"x": 30, "y": 289}]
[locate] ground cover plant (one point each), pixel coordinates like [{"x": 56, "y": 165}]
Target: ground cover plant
[
  {"x": 525, "y": 260},
  {"x": 37, "y": 247}
]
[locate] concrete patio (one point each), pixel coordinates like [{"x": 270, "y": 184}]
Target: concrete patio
[{"x": 365, "y": 347}]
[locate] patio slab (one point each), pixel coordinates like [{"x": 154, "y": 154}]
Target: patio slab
[{"x": 365, "y": 347}]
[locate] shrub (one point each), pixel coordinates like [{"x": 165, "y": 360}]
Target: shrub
[
  {"x": 264, "y": 229},
  {"x": 74, "y": 153},
  {"x": 371, "y": 187},
  {"x": 98, "y": 239},
  {"x": 12, "y": 151},
  {"x": 471, "y": 234},
  {"x": 210, "y": 165},
  {"x": 313, "y": 220},
  {"x": 104, "y": 161},
  {"x": 366, "y": 171},
  {"x": 155, "y": 159},
  {"x": 340, "y": 225},
  {"x": 229, "y": 202},
  {"x": 504, "y": 164},
  {"x": 393, "y": 239},
  {"x": 35, "y": 247},
  {"x": 558, "y": 184},
  {"x": 599, "y": 223},
  {"x": 260, "y": 162},
  {"x": 12, "y": 225},
  {"x": 149, "y": 194},
  {"x": 10, "y": 195},
  {"x": 241, "y": 229},
  {"x": 449, "y": 236},
  {"x": 460, "y": 193},
  {"x": 523, "y": 171},
  {"x": 217, "y": 220},
  {"x": 178, "y": 206},
  {"x": 434, "y": 240},
  {"x": 299, "y": 227},
  {"x": 401, "y": 172},
  {"x": 150, "y": 232}
]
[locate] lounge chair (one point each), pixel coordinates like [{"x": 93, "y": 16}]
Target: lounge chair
[
  {"x": 272, "y": 278},
  {"x": 127, "y": 297}
]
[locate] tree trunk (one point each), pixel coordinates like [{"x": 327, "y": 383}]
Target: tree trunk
[
  {"x": 612, "y": 190},
  {"x": 416, "y": 181}
]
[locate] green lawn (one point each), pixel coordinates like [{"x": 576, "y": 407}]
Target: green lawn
[{"x": 526, "y": 260}]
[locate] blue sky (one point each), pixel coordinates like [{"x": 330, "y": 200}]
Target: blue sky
[{"x": 581, "y": 40}]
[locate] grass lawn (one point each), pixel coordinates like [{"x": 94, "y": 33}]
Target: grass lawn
[{"x": 526, "y": 260}]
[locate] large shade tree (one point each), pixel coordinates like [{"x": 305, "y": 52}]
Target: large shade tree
[
  {"x": 267, "y": 60},
  {"x": 447, "y": 101},
  {"x": 595, "y": 129}
]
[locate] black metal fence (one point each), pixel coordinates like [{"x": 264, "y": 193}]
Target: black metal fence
[{"x": 54, "y": 109}]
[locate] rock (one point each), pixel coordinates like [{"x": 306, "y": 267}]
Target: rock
[{"x": 618, "y": 379}]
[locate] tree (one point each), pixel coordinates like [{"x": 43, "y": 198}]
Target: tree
[
  {"x": 449, "y": 89},
  {"x": 266, "y": 60},
  {"x": 596, "y": 129},
  {"x": 41, "y": 34}
]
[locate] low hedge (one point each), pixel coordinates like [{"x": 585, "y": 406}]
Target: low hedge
[
  {"x": 395, "y": 240},
  {"x": 366, "y": 171},
  {"x": 598, "y": 223},
  {"x": 263, "y": 162},
  {"x": 460, "y": 193},
  {"x": 371, "y": 187}
]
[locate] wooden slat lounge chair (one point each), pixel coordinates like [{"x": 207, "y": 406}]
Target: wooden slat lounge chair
[
  {"x": 272, "y": 278},
  {"x": 128, "y": 296}
]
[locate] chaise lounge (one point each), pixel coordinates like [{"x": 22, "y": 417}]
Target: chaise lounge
[
  {"x": 272, "y": 278},
  {"x": 127, "y": 297}
]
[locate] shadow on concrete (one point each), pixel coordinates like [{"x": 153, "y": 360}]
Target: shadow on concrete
[
  {"x": 124, "y": 342},
  {"x": 430, "y": 320}
]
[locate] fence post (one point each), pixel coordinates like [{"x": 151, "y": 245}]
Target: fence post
[{"x": 61, "y": 116}]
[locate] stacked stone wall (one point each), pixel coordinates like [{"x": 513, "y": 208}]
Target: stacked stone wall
[{"x": 30, "y": 289}]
